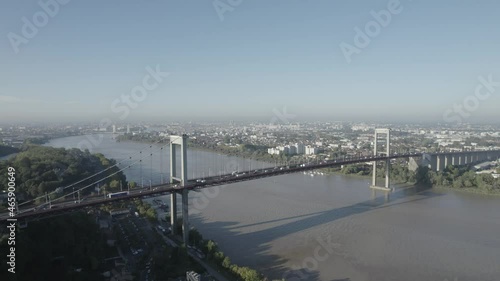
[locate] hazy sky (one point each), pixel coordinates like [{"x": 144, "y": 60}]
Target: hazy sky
[{"x": 247, "y": 58}]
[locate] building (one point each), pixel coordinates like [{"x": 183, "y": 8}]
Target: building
[
  {"x": 311, "y": 150},
  {"x": 289, "y": 149},
  {"x": 193, "y": 276},
  {"x": 283, "y": 149},
  {"x": 300, "y": 148},
  {"x": 273, "y": 151},
  {"x": 484, "y": 166}
]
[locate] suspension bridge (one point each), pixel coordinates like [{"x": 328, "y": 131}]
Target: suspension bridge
[{"x": 214, "y": 171}]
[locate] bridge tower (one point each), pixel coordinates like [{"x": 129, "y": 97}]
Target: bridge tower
[
  {"x": 179, "y": 141},
  {"x": 387, "y": 189}
]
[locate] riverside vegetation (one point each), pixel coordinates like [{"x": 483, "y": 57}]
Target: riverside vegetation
[{"x": 41, "y": 170}]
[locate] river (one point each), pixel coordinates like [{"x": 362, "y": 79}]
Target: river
[{"x": 300, "y": 227}]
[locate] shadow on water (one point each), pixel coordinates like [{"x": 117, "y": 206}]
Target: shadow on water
[{"x": 273, "y": 264}]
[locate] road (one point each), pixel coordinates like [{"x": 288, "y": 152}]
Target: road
[
  {"x": 214, "y": 273},
  {"x": 58, "y": 206},
  {"x": 172, "y": 243}
]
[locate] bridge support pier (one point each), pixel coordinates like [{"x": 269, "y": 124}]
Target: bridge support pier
[
  {"x": 434, "y": 163},
  {"x": 180, "y": 141},
  {"x": 185, "y": 216},
  {"x": 447, "y": 161},
  {"x": 173, "y": 212},
  {"x": 484, "y": 156},
  {"x": 440, "y": 163},
  {"x": 387, "y": 188}
]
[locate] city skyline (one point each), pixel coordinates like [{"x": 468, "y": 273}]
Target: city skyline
[{"x": 251, "y": 61}]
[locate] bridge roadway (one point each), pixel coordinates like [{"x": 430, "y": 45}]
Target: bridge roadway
[{"x": 194, "y": 184}]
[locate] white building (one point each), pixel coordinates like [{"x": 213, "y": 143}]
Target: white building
[
  {"x": 311, "y": 150},
  {"x": 283, "y": 149}
]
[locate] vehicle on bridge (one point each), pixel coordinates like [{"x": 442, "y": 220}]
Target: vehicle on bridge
[
  {"x": 117, "y": 194},
  {"x": 42, "y": 206}
]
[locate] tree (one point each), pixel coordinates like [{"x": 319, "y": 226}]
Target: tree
[
  {"x": 195, "y": 237},
  {"x": 151, "y": 214},
  {"x": 226, "y": 263},
  {"x": 114, "y": 185},
  {"x": 422, "y": 176},
  {"x": 212, "y": 248},
  {"x": 104, "y": 188},
  {"x": 41, "y": 169},
  {"x": 75, "y": 237}
]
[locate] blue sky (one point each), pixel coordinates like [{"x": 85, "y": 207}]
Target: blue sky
[{"x": 262, "y": 55}]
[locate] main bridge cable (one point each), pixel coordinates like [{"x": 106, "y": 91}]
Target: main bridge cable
[
  {"x": 100, "y": 180},
  {"x": 89, "y": 177},
  {"x": 96, "y": 182},
  {"x": 80, "y": 181}
]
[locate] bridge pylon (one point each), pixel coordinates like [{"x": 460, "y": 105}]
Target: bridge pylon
[
  {"x": 387, "y": 188},
  {"x": 179, "y": 141}
]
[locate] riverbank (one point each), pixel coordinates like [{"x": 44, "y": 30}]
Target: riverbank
[
  {"x": 465, "y": 190},
  {"x": 274, "y": 226},
  {"x": 7, "y": 150}
]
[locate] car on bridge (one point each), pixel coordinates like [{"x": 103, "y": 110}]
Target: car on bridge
[{"x": 41, "y": 207}]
